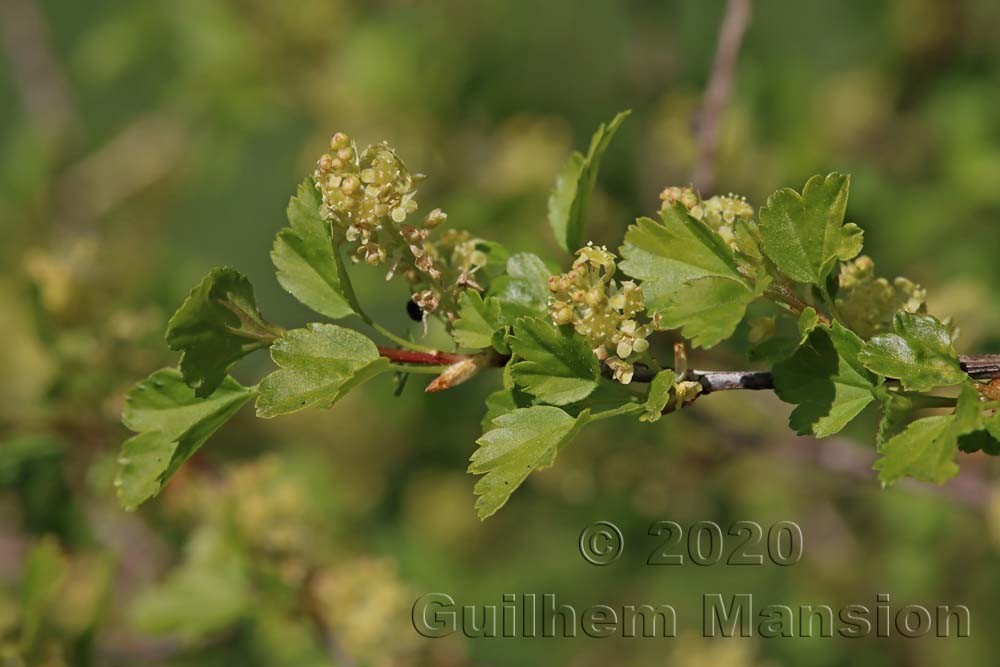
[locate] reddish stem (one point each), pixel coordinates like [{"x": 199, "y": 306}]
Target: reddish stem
[{"x": 423, "y": 358}]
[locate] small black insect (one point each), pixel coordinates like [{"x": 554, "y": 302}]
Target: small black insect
[{"x": 413, "y": 310}]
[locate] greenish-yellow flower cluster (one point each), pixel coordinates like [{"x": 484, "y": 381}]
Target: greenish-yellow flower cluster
[
  {"x": 604, "y": 311},
  {"x": 368, "y": 197},
  {"x": 684, "y": 195},
  {"x": 719, "y": 212},
  {"x": 867, "y": 303}
]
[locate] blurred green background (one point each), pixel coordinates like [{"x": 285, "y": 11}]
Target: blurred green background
[{"x": 142, "y": 143}]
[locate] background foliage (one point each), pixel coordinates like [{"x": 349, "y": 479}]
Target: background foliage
[{"x": 143, "y": 143}]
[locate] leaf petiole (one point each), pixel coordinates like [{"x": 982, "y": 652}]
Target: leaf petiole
[
  {"x": 628, "y": 408},
  {"x": 926, "y": 401},
  {"x": 352, "y": 299},
  {"x": 399, "y": 340}
]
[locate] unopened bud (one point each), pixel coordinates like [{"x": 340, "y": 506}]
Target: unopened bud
[
  {"x": 435, "y": 218},
  {"x": 339, "y": 140},
  {"x": 350, "y": 185},
  {"x": 563, "y": 315},
  {"x": 457, "y": 373}
]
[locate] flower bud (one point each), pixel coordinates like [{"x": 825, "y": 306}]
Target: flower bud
[
  {"x": 602, "y": 311},
  {"x": 673, "y": 194},
  {"x": 457, "y": 373},
  {"x": 350, "y": 185},
  {"x": 563, "y": 315},
  {"x": 435, "y": 218},
  {"x": 339, "y": 140}
]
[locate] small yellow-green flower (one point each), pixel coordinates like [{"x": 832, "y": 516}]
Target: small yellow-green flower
[
  {"x": 867, "y": 303},
  {"x": 602, "y": 310}
]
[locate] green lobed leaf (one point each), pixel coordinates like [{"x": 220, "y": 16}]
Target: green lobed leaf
[
  {"x": 746, "y": 236},
  {"x": 659, "y": 395},
  {"x": 993, "y": 426},
  {"x": 919, "y": 354},
  {"x": 216, "y": 326},
  {"x": 609, "y": 397},
  {"x": 305, "y": 258},
  {"x": 497, "y": 257},
  {"x": 478, "y": 320},
  {"x": 896, "y": 411},
  {"x": 518, "y": 443},
  {"x": 498, "y": 403},
  {"x": 804, "y": 234},
  {"x": 172, "y": 422},
  {"x": 667, "y": 254},
  {"x": 561, "y": 200},
  {"x": 554, "y": 364},
  {"x": 926, "y": 450},
  {"x": 777, "y": 348},
  {"x": 981, "y": 440},
  {"x": 317, "y": 366},
  {"x": 968, "y": 411},
  {"x": 826, "y": 381},
  {"x": 807, "y": 322},
  {"x": 524, "y": 290},
  {"x": 986, "y": 438},
  {"x": 574, "y": 185},
  {"x": 707, "y": 310},
  {"x": 501, "y": 402}
]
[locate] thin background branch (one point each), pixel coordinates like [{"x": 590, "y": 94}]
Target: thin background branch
[
  {"x": 24, "y": 37},
  {"x": 720, "y": 83}
]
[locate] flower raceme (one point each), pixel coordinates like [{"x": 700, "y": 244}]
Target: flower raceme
[
  {"x": 603, "y": 310},
  {"x": 363, "y": 192},
  {"x": 868, "y": 302},
  {"x": 368, "y": 196},
  {"x": 787, "y": 280},
  {"x": 719, "y": 212}
]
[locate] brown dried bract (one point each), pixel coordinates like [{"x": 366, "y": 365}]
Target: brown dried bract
[{"x": 990, "y": 390}]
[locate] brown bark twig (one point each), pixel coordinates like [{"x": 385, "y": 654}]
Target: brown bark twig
[{"x": 978, "y": 366}]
